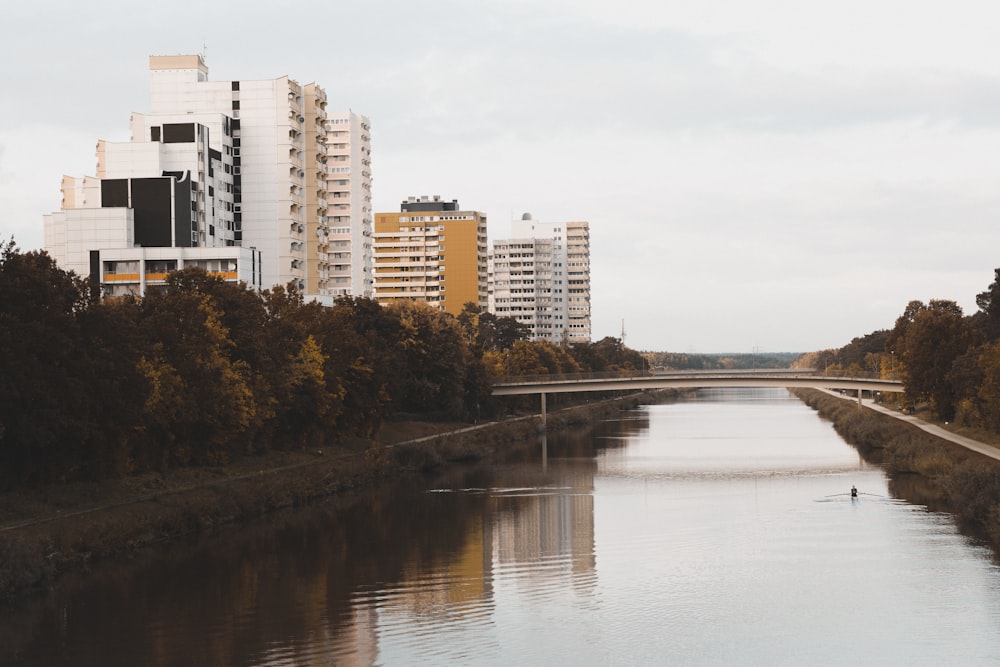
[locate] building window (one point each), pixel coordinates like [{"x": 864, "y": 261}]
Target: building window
[{"x": 178, "y": 133}]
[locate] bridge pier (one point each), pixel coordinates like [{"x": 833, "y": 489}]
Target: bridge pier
[{"x": 544, "y": 422}]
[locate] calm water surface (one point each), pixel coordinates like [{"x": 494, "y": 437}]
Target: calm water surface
[{"x": 711, "y": 531}]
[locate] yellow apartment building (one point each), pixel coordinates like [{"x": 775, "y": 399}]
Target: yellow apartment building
[{"x": 431, "y": 251}]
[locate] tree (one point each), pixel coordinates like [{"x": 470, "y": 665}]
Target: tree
[
  {"x": 864, "y": 352},
  {"x": 111, "y": 348},
  {"x": 539, "y": 358},
  {"x": 312, "y": 408},
  {"x": 928, "y": 340},
  {"x": 198, "y": 400},
  {"x": 485, "y": 332},
  {"x": 607, "y": 354},
  {"x": 989, "y": 388},
  {"x": 364, "y": 338},
  {"x": 434, "y": 360},
  {"x": 256, "y": 341},
  {"x": 989, "y": 306},
  {"x": 45, "y": 404}
]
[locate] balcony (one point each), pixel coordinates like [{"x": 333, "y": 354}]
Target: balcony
[{"x": 121, "y": 277}]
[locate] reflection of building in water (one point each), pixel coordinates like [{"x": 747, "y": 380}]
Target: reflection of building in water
[
  {"x": 550, "y": 526},
  {"x": 462, "y": 582},
  {"x": 537, "y": 529},
  {"x": 444, "y": 590},
  {"x": 359, "y": 638}
]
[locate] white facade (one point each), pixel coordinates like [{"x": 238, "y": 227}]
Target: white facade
[
  {"x": 270, "y": 156},
  {"x": 349, "y": 188},
  {"x": 317, "y": 236},
  {"x": 570, "y": 278},
  {"x": 224, "y": 164},
  {"x": 70, "y": 235},
  {"x": 165, "y": 189},
  {"x": 521, "y": 285},
  {"x": 99, "y": 243},
  {"x": 181, "y": 145},
  {"x": 124, "y": 271}
]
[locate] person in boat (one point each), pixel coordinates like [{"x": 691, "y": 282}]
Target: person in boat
[{"x": 854, "y": 491}]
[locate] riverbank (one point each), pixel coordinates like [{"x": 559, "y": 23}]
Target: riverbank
[
  {"x": 964, "y": 481},
  {"x": 48, "y": 532}
]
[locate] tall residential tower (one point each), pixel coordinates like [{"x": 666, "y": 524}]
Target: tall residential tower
[
  {"x": 349, "y": 187},
  {"x": 431, "y": 251},
  {"x": 541, "y": 277},
  {"x": 274, "y": 166},
  {"x": 223, "y": 164}
]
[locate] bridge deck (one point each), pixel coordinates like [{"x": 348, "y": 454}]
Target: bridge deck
[{"x": 538, "y": 385}]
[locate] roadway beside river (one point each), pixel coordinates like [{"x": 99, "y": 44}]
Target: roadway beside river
[
  {"x": 986, "y": 449},
  {"x": 957, "y": 474}
]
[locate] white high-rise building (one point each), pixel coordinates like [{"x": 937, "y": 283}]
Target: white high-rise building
[
  {"x": 520, "y": 279},
  {"x": 160, "y": 202},
  {"x": 229, "y": 164},
  {"x": 349, "y": 192},
  {"x": 544, "y": 285},
  {"x": 273, "y": 165}
]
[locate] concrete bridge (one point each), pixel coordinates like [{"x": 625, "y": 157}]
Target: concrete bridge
[{"x": 634, "y": 380}]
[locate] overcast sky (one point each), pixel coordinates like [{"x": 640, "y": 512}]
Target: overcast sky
[{"x": 758, "y": 176}]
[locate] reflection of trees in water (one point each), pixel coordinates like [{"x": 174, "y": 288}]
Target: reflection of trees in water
[
  {"x": 293, "y": 573},
  {"x": 951, "y": 479},
  {"x": 292, "y": 579},
  {"x": 616, "y": 434},
  {"x": 918, "y": 490}
]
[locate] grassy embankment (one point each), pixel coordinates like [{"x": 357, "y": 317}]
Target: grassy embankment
[
  {"x": 964, "y": 482},
  {"x": 49, "y": 531}
]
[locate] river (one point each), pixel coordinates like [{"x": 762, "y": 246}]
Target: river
[{"x": 714, "y": 530}]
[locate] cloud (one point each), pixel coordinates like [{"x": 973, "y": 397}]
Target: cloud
[{"x": 777, "y": 174}]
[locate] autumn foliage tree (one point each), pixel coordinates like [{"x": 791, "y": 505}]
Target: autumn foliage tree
[
  {"x": 45, "y": 404},
  {"x": 434, "y": 359},
  {"x": 198, "y": 397},
  {"x": 928, "y": 340},
  {"x": 201, "y": 370},
  {"x": 486, "y": 332}
]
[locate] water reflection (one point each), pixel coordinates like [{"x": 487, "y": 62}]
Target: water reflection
[
  {"x": 280, "y": 585},
  {"x": 680, "y": 533},
  {"x": 317, "y": 582}
]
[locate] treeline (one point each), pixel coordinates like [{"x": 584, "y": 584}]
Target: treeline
[
  {"x": 204, "y": 370},
  {"x": 709, "y": 362},
  {"x": 946, "y": 359}
]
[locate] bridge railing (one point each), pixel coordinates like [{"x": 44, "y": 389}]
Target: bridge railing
[
  {"x": 570, "y": 377},
  {"x": 867, "y": 375},
  {"x": 630, "y": 374},
  {"x": 634, "y": 374}
]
